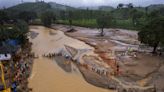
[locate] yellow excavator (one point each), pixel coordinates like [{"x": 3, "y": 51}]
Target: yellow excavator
[{"x": 3, "y": 79}]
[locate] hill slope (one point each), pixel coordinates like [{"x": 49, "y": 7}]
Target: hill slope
[
  {"x": 155, "y": 7},
  {"x": 37, "y": 7},
  {"x": 60, "y": 7},
  {"x": 103, "y": 8},
  {"x": 106, "y": 8}
]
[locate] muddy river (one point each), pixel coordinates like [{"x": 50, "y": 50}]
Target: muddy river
[{"x": 46, "y": 75}]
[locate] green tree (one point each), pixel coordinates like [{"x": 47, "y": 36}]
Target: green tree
[
  {"x": 62, "y": 14},
  {"x": 47, "y": 18},
  {"x": 120, "y": 5},
  {"x": 103, "y": 21},
  {"x": 3, "y": 17},
  {"x": 27, "y": 15},
  {"x": 22, "y": 27},
  {"x": 154, "y": 14},
  {"x": 18, "y": 30},
  {"x": 153, "y": 33},
  {"x": 130, "y": 6},
  {"x": 146, "y": 10},
  {"x": 70, "y": 17},
  {"x": 3, "y": 33},
  {"x": 135, "y": 15}
]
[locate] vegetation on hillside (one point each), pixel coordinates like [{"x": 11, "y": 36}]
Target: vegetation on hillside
[{"x": 124, "y": 16}]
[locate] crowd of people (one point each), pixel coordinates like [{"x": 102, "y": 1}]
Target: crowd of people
[{"x": 15, "y": 72}]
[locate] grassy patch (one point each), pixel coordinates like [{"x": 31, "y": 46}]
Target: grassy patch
[
  {"x": 125, "y": 24},
  {"x": 83, "y": 23}
]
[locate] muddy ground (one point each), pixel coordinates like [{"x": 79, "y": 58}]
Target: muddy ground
[
  {"x": 139, "y": 66},
  {"x": 56, "y": 75}
]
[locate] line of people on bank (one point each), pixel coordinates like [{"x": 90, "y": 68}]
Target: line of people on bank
[
  {"x": 14, "y": 74},
  {"x": 52, "y": 55},
  {"x": 23, "y": 70}
]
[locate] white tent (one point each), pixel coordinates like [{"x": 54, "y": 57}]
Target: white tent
[{"x": 5, "y": 57}]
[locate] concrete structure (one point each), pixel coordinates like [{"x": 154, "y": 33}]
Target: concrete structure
[{"x": 90, "y": 61}]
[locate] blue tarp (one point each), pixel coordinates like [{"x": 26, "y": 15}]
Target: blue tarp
[{"x": 12, "y": 42}]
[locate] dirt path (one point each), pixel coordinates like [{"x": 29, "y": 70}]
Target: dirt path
[{"x": 46, "y": 75}]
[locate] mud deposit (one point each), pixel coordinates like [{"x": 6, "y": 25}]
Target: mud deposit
[{"x": 47, "y": 75}]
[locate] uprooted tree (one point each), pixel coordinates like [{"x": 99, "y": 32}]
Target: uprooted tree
[{"x": 153, "y": 33}]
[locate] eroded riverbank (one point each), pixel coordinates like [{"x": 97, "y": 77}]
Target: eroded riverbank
[
  {"x": 136, "y": 64},
  {"x": 46, "y": 75},
  {"x": 48, "y": 41}
]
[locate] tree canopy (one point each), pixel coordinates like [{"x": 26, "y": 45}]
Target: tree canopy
[
  {"x": 104, "y": 21},
  {"x": 3, "y": 16},
  {"x": 70, "y": 17},
  {"x": 135, "y": 15},
  {"x": 47, "y": 18},
  {"x": 27, "y": 15},
  {"x": 153, "y": 33},
  {"x": 14, "y": 31}
]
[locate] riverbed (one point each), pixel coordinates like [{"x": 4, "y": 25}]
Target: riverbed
[{"x": 46, "y": 75}]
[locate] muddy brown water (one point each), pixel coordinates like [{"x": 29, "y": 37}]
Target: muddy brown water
[{"x": 46, "y": 75}]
